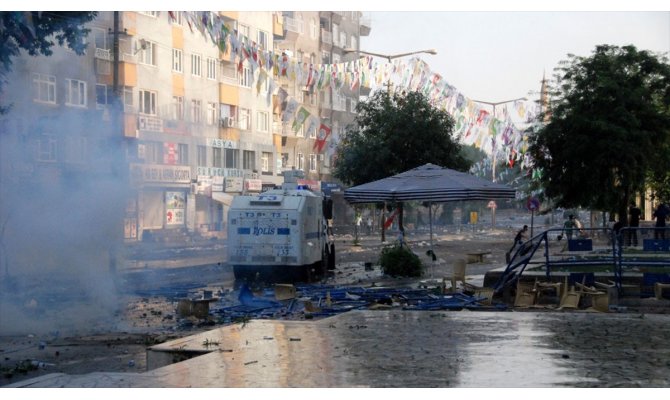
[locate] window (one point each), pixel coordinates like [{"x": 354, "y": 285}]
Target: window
[
  {"x": 312, "y": 132},
  {"x": 127, "y": 98},
  {"x": 284, "y": 160},
  {"x": 300, "y": 161},
  {"x": 100, "y": 96},
  {"x": 336, "y": 34},
  {"x": 232, "y": 158},
  {"x": 100, "y": 38},
  {"x": 343, "y": 39},
  {"x": 325, "y": 57},
  {"x": 177, "y": 61},
  {"x": 147, "y": 54},
  {"x": 202, "y": 156},
  {"x": 176, "y": 17},
  {"x": 354, "y": 42},
  {"x": 196, "y": 111},
  {"x": 216, "y": 157},
  {"x": 262, "y": 121},
  {"x": 153, "y": 152},
  {"x": 263, "y": 39},
  {"x": 211, "y": 114},
  {"x": 153, "y": 14},
  {"x": 182, "y": 153},
  {"x": 246, "y": 79},
  {"x": 44, "y": 88},
  {"x": 313, "y": 30},
  {"x": 178, "y": 108},
  {"x": 248, "y": 159},
  {"x": 76, "y": 93},
  {"x": 211, "y": 68},
  {"x": 266, "y": 162},
  {"x": 46, "y": 150},
  {"x": 75, "y": 149},
  {"x": 312, "y": 162},
  {"x": 245, "y": 119},
  {"x": 196, "y": 67},
  {"x": 147, "y": 103},
  {"x": 244, "y": 33}
]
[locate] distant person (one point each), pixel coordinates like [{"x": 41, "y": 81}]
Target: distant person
[
  {"x": 520, "y": 238},
  {"x": 357, "y": 224},
  {"x": 634, "y": 214},
  {"x": 369, "y": 224},
  {"x": 569, "y": 226},
  {"x": 661, "y": 214},
  {"x": 519, "y": 241}
]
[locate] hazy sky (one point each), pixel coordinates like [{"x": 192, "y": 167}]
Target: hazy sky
[{"x": 497, "y": 56}]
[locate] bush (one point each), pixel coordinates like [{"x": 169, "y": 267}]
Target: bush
[{"x": 400, "y": 261}]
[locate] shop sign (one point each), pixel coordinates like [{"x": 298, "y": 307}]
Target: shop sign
[
  {"x": 150, "y": 173},
  {"x": 175, "y": 207},
  {"x": 253, "y": 185},
  {"x": 217, "y": 184},
  {"x": 225, "y": 144},
  {"x": 315, "y": 186},
  {"x": 232, "y": 184}
]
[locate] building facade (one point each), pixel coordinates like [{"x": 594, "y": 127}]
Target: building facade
[{"x": 194, "y": 125}]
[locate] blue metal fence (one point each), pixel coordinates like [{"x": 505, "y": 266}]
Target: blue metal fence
[{"x": 628, "y": 250}]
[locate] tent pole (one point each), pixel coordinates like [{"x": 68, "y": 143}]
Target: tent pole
[{"x": 430, "y": 223}]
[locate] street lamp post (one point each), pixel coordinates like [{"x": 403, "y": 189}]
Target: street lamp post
[
  {"x": 493, "y": 150},
  {"x": 388, "y": 57}
]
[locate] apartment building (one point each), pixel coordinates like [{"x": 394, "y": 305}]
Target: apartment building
[
  {"x": 193, "y": 126},
  {"x": 317, "y": 38}
]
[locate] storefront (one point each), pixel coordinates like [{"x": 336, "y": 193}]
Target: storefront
[{"x": 165, "y": 203}]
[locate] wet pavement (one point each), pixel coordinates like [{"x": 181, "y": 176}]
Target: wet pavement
[{"x": 393, "y": 348}]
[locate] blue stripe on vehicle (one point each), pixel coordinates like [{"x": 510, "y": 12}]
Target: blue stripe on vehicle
[
  {"x": 283, "y": 231},
  {"x": 311, "y": 235},
  {"x": 244, "y": 231}
]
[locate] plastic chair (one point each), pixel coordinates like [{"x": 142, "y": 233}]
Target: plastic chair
[
  {"x": 457, "y": 275},
  {"x": 525, "y": 294}
]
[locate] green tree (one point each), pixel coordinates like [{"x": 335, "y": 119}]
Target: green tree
[
  {"x": 395, "y": 132},
  {"x": 36, "y": 32},
  {"x": 609, "y": 128}
]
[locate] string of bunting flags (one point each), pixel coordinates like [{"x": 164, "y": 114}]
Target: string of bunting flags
[{"x": 474, "y": 125}]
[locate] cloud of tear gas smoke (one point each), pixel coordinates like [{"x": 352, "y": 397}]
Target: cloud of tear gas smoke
[{"x": 62, "y": 218}]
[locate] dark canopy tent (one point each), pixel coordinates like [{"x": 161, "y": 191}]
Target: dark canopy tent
[{"x": 428, "y": 183}]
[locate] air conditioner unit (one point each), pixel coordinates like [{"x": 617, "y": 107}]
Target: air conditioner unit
[{"x": 227, "y": 122}]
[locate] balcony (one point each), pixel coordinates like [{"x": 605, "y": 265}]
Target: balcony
[
  {"x": 293, "y": 28},
  {"x": 326, "y": 38},
  {"x": 365, "y": 26},
  {"x": 103, "y": 54}
]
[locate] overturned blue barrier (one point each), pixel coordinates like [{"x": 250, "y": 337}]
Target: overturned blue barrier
[{"x": 325, "y": 301}]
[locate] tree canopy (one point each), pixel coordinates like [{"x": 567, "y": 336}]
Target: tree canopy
[
  {"x": 36, "y": 32},
  {"x": 394, "y": 133},
  {"x": 609, "y": 131}
]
